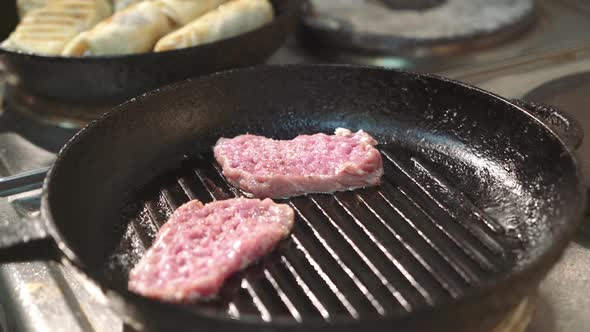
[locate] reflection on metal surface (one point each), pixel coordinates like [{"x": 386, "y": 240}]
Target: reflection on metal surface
[
  {"x": 50, "y": 299},
  {"x": 48, "y": 112},
  {"x": 26, "y": 229},
  {"x": 564, "y": 302},
  {"x": 30, "y": 143},
  {"x": 519, "y": 319},
  {"x": 3, "y": 320},
  {"x": 514, "y": 77},
  {"x": 45, "y": 295},
  {"x": 17, "y": 154}
]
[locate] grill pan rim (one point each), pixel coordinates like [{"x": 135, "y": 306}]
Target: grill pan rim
[{"x": 539, "y": 265}]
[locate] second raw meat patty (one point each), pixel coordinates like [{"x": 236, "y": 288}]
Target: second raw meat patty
[
  {"x": 316, "y": 163},
  {"x": 202, "y": 245}
]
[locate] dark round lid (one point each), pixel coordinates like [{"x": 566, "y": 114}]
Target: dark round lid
[{"x": 398, "y": 26}]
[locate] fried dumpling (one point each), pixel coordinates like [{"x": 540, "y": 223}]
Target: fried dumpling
[
  {"x": 47, "y": 29},
  {"x": 133, "y": 30},
  {"x": 119, "y": 5},
  {"x": 228, "y": 20},
  {"x": 184, "y": 11},
  {"x": 25, "y": 6}
]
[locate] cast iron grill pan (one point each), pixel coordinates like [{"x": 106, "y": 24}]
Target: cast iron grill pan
[
  {"x": 478, "y": 200},
  {"x": 411, "y": 242}
]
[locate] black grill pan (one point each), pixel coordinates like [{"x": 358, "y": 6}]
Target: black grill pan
[
  {"x": 110, "y": 80},
  {"x": 370, "y": 252},
  {"x": 478, "y": 200}
]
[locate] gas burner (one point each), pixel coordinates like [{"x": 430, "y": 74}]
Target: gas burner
[
  {"x": 51, "y": 112},
  {"x": 373, "y": 27}
]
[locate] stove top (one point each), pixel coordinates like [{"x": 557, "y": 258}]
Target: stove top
[{"x": 549, "y": 62}]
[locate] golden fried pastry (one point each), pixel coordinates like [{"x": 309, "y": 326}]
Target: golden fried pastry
[
  {"x": 47, "y": 29},
  {"x": 119, "y": 5},
  {"x": 184, "y": 11},
  {"x": 133, "y": 30},
  {"x": 228, "y": 20},
  {"x": 25, "y": 6}
]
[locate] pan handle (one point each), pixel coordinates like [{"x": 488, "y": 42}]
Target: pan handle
[
  {"x": 568, "y": 128},
  {"x": 19, "y": 183}
]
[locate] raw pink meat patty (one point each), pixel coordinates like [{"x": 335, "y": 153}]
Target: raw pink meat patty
[
  {"x": 317, "y": 163},
  {"x": 202, "y": 245}
]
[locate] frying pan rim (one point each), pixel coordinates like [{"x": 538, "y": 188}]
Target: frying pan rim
[
  {"x": 291, "y": 8},
  {"x": 543, "y": 262}
]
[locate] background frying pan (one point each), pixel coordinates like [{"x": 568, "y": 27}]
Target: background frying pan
[
  {"x": 479, "y": 199},
  {"x": 114, "y": 79}
]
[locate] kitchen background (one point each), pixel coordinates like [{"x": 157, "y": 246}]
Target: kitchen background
[{"x": 537, "y": 50}]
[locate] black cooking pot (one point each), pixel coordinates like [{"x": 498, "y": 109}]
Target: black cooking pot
[
  {"x": 479, "y": 199},
  {"x": 113, "y": 79}
]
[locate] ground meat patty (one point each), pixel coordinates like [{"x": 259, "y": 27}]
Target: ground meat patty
[
  {"x": 202, "y": 245},
  {"x": 317, "y": 163}
]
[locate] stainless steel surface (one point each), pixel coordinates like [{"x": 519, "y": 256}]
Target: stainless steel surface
[
  {"x": 564, "y": 303},
  {"x": 48, "y": 296},
  {"x": 29, "y": 228}
]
